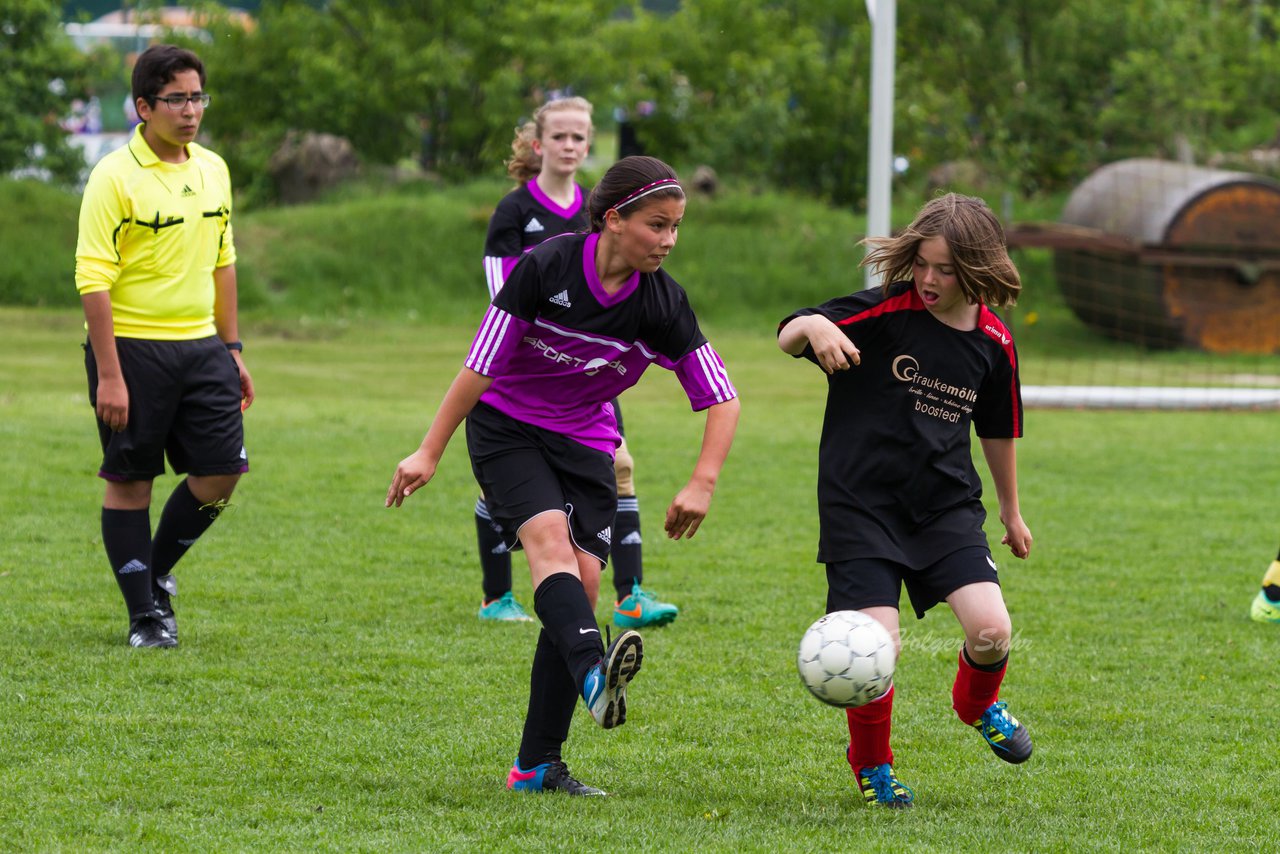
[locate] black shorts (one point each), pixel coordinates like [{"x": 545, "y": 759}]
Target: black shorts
[
  {"x": 868, "y": 582},
  {"x": 525, "y": 470},
  {"x": 184, "y": 402}
]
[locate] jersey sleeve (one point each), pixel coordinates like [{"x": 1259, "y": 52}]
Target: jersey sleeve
[
  {"x": 843, "y": 311},
  {"x": 505, "y": 321},
  {"x": 227, "y": 242},
  {"x": 503, "y": 246},
  {"x": 103, "y": 217},
  {"x": 704, "y": 378},
  {"x": 683, "y": 349},
  {"x": 998, "y": 413},
  {"x": 495, "y": 342}
]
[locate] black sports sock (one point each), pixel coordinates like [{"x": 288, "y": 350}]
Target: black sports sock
[
  {"x": 985, "y": 668},
  {"x": 628, "y": 568},
  {"x": 552, "y": 699},
  {"x": 495, "y": 560},
  {"x": 561, "y": 603},
  {"x": 1272, "y": 592},
  {"x": 126, "y": 536},
  {"x": 181, "y": 523}
]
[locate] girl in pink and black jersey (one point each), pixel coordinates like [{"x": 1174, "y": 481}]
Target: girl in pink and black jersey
[
  {"x": 547, "y": 153},
  {"x": 911, "y": 366},
  {"x": 577, "y": 322}
]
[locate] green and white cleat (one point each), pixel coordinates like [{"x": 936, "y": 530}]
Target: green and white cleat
[
  {"x": 1264, "y": 610},
  {"x": 504, "y": 609}
]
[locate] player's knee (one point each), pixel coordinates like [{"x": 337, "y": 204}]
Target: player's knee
[
  {"x": 990, "y": 641},
  {"x": 622, "y": 469}
]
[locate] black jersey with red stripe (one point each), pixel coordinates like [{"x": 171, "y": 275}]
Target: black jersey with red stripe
[{"x": 896, "y": 478}]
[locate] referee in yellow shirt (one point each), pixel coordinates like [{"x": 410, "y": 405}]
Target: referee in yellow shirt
[{"x": 155, "y": 267}]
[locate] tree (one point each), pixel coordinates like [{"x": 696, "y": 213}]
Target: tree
[{"x": 41, "y": 72}]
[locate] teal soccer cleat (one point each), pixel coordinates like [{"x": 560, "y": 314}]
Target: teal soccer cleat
[
  {"x": 504, "y": 609},
  {"x": 642, "y": 609}
]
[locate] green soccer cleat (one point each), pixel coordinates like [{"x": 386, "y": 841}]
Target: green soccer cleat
[
  {"x": 504, "y": 609},
  {"x": 642, "y": 609},
  {"x": 1008, "y": 739},
  {"x": 879, "y": 785},
  {"x": 1264, "y": 610}
]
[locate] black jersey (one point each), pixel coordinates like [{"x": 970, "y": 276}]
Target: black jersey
[
  {"x": 895, "y": 471},
  {"x": 524, "y": 218},
  {"x": 560, "y": 348}
]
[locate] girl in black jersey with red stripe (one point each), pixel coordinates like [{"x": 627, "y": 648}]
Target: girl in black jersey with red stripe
[
  {"x": 546, "y": 155},
  {"x": 910, "y": 367},
  {"x": 580, "y": 320}
]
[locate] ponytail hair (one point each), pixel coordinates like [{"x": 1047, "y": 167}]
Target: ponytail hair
[{"x": 525, "y": 163}]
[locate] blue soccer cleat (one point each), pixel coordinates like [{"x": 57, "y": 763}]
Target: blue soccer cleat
[
  {"x": 1008, "y": 739},
  {"x": 548, "y": 777},
  {"x": 879, "y": 785},
  {"x": 605, "y": 689}
]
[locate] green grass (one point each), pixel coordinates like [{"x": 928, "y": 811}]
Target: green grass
[{"x": 334, "y": 690}]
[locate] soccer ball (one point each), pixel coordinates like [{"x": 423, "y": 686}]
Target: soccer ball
[{"x": 846, "y": 659}]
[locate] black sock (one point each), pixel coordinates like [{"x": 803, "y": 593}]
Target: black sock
[
  {"x": 126, "y": 536},
  {"x": 181, "y": 523},
  {"x": 985, "y": 668},
  {"x": 552, "y": 699},
  {"x": 495, "y": 560},
  {"x": 1272, "y": 592},
  {"x": 628, "y": 569},
  {"x": 561, "y": 603}
]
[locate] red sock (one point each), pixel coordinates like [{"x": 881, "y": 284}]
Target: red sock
[
  {"x": 975, "y": 690},
  {"x": 869, "y": 733}
]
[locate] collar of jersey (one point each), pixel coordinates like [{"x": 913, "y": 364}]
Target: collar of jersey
[
  {"x": 593, "y": 281},
  {"x": 146, "y": 157},
  {"x": 549, "y": 203}
]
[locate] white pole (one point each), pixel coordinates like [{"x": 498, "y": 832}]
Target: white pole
[{"x": 884, "y": 23}]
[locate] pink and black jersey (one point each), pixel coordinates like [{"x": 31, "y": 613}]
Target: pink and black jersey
[
  {"x": 560, "y": 349},
  {"x": 524, "y": 218},
  {"x": 895, "y": 471}
]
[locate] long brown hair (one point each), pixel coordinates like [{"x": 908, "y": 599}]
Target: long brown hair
[{"x": 979, "y": 251}]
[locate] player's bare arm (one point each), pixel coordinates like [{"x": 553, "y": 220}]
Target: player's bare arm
[
  {"x": 833, "y": 349},
  {"x": 692, "y": 503},
  {"x": 226, "y": 320},
  {"x": 417, "y": 469},
  {"x": 112, "y": 404},
  {"x": 1001, "y": 459}
]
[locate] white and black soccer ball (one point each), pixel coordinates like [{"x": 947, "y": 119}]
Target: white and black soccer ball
[{"x": 846, "y": 659}]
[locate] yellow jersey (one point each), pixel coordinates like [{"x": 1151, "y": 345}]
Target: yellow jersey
[{"x": 151, "y": 233}]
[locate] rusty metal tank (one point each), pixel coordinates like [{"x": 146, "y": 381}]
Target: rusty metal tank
[{"x": 1173, "y": 255}]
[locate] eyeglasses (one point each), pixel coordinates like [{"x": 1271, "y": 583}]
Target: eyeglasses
[{"x": 177, "y": 103}]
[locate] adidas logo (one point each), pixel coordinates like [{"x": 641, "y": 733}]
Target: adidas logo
[
  {"x": 533, "y": 226},
  {"x": 187, "y": 191},
  {"x": 562, "y": 299},
  {"x": 499, "y": 549},
  {"x": 605, "y": 535},
  {"x": 632, "y": 539},
  {"x": 136, "y": 565}
]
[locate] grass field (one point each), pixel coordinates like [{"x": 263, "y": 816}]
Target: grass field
[{"x": 334, "y": 690}]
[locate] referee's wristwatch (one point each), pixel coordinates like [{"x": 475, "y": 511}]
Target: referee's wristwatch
[{"x": 234, "y": 345}]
